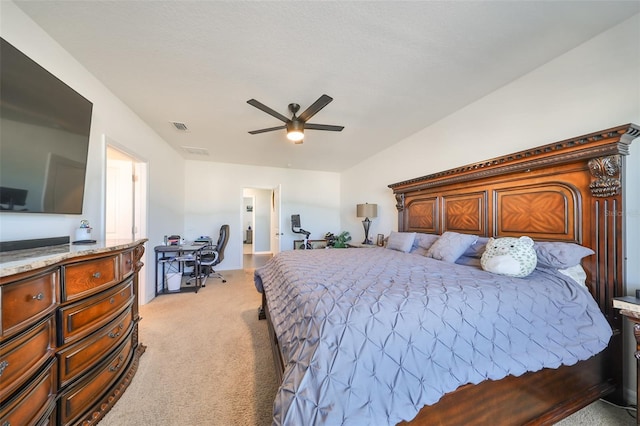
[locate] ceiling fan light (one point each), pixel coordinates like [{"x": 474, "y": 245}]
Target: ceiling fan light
[
  {"x": 295, "y": 131},
  {"x": 295, "y": 135}
]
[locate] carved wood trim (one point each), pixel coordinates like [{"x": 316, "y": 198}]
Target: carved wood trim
[
  {"x": 138, "y": 252},
  {"x": 138, "y": 264},
  {"x": 400, "y": 208},
  {"x": 400, "y": 202},
  {"x": 606, "y": 171}
]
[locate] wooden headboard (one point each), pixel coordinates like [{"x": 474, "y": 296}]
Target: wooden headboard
[{"x": 564, "y": 191}]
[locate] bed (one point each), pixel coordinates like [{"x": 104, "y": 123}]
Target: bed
[{"x": 382, "y": 336}]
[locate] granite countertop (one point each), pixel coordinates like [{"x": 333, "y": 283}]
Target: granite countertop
[{"x": 17, "y": 261}]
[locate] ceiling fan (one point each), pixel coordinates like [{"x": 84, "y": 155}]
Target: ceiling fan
[{"x": 296, "y": 125}]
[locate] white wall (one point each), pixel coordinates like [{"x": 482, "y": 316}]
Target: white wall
[
  {"x": 592, "y": 87},
  {"x": 214, "y": 196},
  {"x": 111, "y": 118}
]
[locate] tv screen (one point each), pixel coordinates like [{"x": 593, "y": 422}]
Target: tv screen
[{"x": 44, "y": 138}]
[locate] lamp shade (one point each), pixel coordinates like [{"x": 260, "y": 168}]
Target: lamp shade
[{"x": 367, "y": 210}]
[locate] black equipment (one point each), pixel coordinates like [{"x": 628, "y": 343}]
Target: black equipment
[{"x": 295, "y": 223}]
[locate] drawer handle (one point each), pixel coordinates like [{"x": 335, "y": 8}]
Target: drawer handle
[
  {"x": 117, "y": 333},
  {"x": 118, "y": 365},
  {"x": 3, "y": 366},
  {"x": 6, "y": 423},
  {"x": 38, "y": 296},
  {"x": 112, "y": 300},
  {"x": 96, "y": 275}
]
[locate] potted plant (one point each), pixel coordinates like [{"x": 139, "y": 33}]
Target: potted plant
[{"x": 341, "y": 240}]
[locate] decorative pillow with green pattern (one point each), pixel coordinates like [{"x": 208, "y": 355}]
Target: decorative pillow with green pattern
[{"x": 514, "y": 257}]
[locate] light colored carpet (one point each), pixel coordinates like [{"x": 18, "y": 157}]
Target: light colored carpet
[{"x": 208, "y": 362}]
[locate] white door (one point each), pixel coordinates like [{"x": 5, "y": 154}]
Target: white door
[
  {"x": 276, "y": 220},
  {"x": 120, "y": 195},
  {"x": 126, "y": 204}
]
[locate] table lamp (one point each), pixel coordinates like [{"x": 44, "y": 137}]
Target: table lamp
[{"x": 366, "y": 210}]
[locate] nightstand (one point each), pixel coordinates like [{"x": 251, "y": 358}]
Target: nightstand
[{"x": 630, "y": 308}]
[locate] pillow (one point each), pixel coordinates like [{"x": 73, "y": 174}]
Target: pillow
[
  {"x": 423, "y": 242},
  {"x": 513, "y": 257},
  {"x": 476, "y": 249},
  {"x": 450, "y": 246},
  {"x": 401, "y": 241},
  {"x": 576, "y": 273},
  {"x": 560, "y": 255}
]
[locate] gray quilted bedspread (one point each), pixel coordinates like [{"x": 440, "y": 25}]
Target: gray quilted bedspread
[{"x": 370, "y": 336}]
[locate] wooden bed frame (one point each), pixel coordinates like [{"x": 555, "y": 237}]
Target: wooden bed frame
[{"x": 569, "y": 191}]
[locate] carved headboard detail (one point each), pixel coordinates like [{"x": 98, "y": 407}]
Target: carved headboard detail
[
  {"x": 564, "y": 191},
  {"x": 606, "y": 171}
]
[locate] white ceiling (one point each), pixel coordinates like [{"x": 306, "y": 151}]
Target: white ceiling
[{"x": 393, "y": 68}]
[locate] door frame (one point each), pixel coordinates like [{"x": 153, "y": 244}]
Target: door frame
[
  {"x": 276, "y": 219},
  {"x": 140, "y": 200}
]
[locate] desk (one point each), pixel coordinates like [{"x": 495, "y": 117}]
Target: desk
[{"x": 178, "y": 255}]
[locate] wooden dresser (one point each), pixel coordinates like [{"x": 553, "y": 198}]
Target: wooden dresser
[{"x": 68, "y": 331}]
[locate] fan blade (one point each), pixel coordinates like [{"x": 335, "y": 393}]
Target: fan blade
[
  {"x": 329, "y": 127},
  {"x": 270, "y": 129},
  {"x": 266, "y": 109},
  {"x": 322, "y": 102}
]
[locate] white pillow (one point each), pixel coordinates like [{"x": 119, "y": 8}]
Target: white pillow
[
  {"x": 450, "y": 246},
  {"x": 401, "y": 241},
  {"x": 577, "y": 273}
]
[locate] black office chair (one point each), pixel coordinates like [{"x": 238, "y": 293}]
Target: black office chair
[{"x": 213, "y": 255}]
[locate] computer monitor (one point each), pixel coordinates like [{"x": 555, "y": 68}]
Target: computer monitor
[{"x": 12, "y": 197}]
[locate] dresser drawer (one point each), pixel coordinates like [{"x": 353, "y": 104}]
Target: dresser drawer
[
  {"x": 21, "y": 357},
  {"x": 34, "y": 404},
  {"x": 88, "y": 277},
  {"x": 126, "y": 263},
  {"x": 80, "y": 357},
  {"x": 24, "y": 302},
  {"x": 85, "y": 393},
  {"x": 79, "y": 319}
]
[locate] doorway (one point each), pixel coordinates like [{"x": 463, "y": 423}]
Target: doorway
[
  {"x": 256, "y": 220},
  {"x": 248, "y": 221},
  {"x": 126, "y": 200}
]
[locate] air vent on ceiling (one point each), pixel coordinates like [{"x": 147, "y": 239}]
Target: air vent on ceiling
[
  {"x": 194, "y": 150},
  {"x": 180, "y": 126}
]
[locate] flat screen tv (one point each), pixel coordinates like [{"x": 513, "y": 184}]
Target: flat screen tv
[{"x": 44, "y": 138}]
